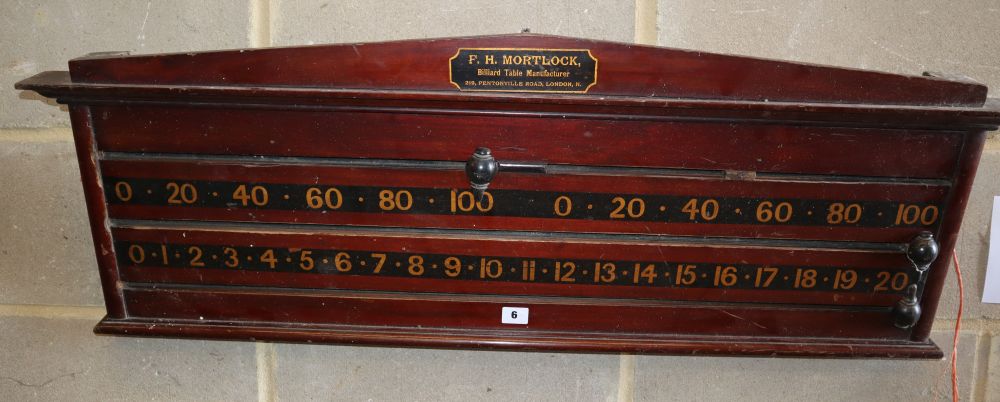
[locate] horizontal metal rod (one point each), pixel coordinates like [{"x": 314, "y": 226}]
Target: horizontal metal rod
[
  {"x": 664, "y": 240},
  {"x": 512, "y": 166}
]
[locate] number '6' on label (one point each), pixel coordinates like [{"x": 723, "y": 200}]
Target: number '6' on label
[{"x": 514, "y": 315}]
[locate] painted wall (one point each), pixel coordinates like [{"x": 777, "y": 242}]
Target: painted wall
[{"x": 49, "y": 291}]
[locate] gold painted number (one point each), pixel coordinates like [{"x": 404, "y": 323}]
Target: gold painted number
[
  {"x": 164, "y": 255},
  {"x": 839, "y": 212},
  {"x": 136, "y": 254},
  {"x": 634, "y": 208},
  {"x": 232, "y": 257},
  {"x": 765, "y": 275},
  {"x": 845, "y": 279},
  {"x": 706, "y": 210},
  {"x": 685, "y": 274},
  {"x": 528, "y": 270},
  {"x": 564, "y": 271},
  {"x": 256, "y": 195},
  {"x": 452, "y": 267},
  {"x": 804, "y": 278},
  {"x": 389, "y": 200},
  {"x": 330, "y": 198},
  {"x": 268, "y": 257},
  {"x": 604, "y": 272},
  {"x": 306, "y": 262},
  {"x": 490, "y": 268},
  {"x": 123, "y": 191},
  {"x": 563, "y": 206},
  {"x": 897, "y": 281},
  {"x": 767, "y": 211},
  {"x": 648, "y": 273},
  {"x": 342, "y": 261},
  {"x": 910, "y": 214},
  {"x": 381, "y": 261},
  {"x": 725, "y": 276},
  {"x": 464, "y": 201},
  {"x": 184, "y": 193},
  {"x": 195, "y": 253},
  {"x": 416, "y": 267}
]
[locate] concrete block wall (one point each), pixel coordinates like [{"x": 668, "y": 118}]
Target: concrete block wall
[{"x": 49, "y": 290}]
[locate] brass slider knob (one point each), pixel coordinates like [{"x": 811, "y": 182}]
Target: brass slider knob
[
  {"x": 906, "y": 312},
  {"x": 480, "y": 169},
  {"x": 922, "y": 251}
]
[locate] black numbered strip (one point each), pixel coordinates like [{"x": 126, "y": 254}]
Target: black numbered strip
[
  {"x": 516, "y": 269},
  {"x": 522, "y": 203}
]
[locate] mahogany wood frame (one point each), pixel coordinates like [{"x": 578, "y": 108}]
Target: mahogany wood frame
[{"x": 898, "y": 131}]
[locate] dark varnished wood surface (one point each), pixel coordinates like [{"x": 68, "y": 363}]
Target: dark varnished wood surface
[
  {"x": 479, "y": 312},
  {"x": 57, "y": 84},
  {"x": 97, "y": 209},
  {"x": 658, "y": 122},
  {"x": 502, "y": 340},
  {"x": 964, "y": 175},
  {"x": 623, "y": 69},
  {"x": 721, "y": 146}
]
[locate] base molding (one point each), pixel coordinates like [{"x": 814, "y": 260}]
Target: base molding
[{"x": 520, "y": 340}]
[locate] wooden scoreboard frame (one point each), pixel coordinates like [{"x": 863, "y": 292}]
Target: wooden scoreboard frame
[{"x": 522, "y": 192}]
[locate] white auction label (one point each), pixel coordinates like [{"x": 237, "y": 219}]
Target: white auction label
[
  {"x": 514, "y": 315},
  {"x": 991, "y": 292}
]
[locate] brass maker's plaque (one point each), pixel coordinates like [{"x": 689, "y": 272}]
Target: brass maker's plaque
[{"x": 523, "y": 70}]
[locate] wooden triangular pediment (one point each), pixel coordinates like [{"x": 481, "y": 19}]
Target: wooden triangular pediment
[{"x": 619, "y": 69}]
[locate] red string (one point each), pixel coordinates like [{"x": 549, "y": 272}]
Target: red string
[{"x": 958, "y": 325}]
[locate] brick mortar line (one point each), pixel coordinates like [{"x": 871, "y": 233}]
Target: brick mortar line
[
  {"x": 981, "y": 368},
  {"x": 267, "y": 364},
  {"x": 626, "y": 378},
  {"x": 993, "y": 144},
  {"x": 645, "y": 22},
  {"x": 260, "y": 23},
  {"x": 37, "y": 135},
  {"x": 978, "y": 325},
  {"x": 52, "y": 311}
]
